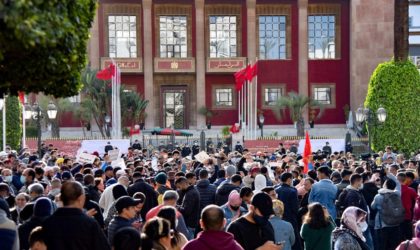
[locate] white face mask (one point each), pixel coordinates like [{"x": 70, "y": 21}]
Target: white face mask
[{"x": 363, "y": 226}]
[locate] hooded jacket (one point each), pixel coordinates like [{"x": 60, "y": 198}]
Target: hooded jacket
[
  {"x": 207, "y": 193},
  {"x": 213, "y": 240},
  {"x": 223, "y": 191}
]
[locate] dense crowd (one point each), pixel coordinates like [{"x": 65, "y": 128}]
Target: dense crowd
[{"x": 167, "y": 199}]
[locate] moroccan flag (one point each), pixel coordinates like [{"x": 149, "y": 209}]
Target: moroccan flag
[
  {"x": 107, "y": 73},
  {"x": 252, "y": 72},
  {"x": 240, "y": 77},
  {"x": 234, "y": 129},
  {"x": 134, "y": 131},
  {"x": 306, "y": 154},
  {"x": 22, "y": 97}
]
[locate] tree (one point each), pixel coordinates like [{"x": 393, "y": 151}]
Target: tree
[
  {"x": 13, "y": 123},
  {"x": 396, "y": 87},
  {"x": 134, "y": 107},
  {"x": 296, "y": 104},
  {"x": 43, "y": 45},
  {"x": 400, "y": 30}
]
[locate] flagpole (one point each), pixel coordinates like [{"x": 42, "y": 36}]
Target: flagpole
[
  {"x": 256, "y": 99},
  {"x": 4, "y": 122},
  {"x": 23, "y": 127}
]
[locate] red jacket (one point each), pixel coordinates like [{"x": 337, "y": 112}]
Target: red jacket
[
  {"x": 213, "y": 240},
  {"x": 408, "y": 198}
]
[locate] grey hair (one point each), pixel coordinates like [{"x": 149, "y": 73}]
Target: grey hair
[
  {"x": 170, "y": 195},
  {"x": 36, "y": 188}
]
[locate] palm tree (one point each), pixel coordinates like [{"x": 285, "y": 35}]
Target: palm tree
[
  {"x": 401, "y": 30},
  {"x": 296, "y": 104}
]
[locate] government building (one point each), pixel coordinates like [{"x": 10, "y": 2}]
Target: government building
[{"x": 181, "y": 54}]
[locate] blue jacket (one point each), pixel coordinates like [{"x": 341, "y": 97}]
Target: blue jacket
[
  {"x": 229, "y": 214},
  {"x": 283, "y": 231},
  {"x": 207, "y": 193},
  {"x": 288, "y": 195},
  {"x": 325, "y": 192},
  {"x": 116, "y": 223}
]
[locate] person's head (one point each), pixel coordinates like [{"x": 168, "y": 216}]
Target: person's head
[
  {"x": 234, "y": 200},
  {"x": 168, "y": 213},
  {"x": 72, "y": 194},
  {"x": 118, "y": 191},
  {"x": 261, "y": 206},
  {"x": 126, "y": 238},
  {"x": 246, "y": 194},
  {"x": 390, "y": 184},
  {"x": 394, "y": 169},
  {"x": 37, "y": 239},
  {"x": 182, "y": 184},
  {"x": 191, "y": 178},
  {"x": 270, "y": 191},
  {"x": 356, "y": 181},
  {"x": 212, "y": 218},
  {"x": 43, "y": 207},
  {"x": 278, "y": 208},
  {"x": 409, "y": 177},
  {"x": 286, "y": 178},
  {"x": 126, "y": 207},
  {"x": 260, "y": 182},
  {"x": 345, "y": 174},
  {"x": 140, "y": 197},
  {"x": 28, "y": 176},
  {"x": 230, "y": 171},
  {"x": 204, "y": 174},
  {"x": 354, "y": 219},
  {"x": 161, "y": 178},
  {"x": 388, "y": 149},
  {"x": 21, "y": 200},
  {"x": 401, "y": 178},
  {"x": 158, "y": 231},
  {"x": 307, "y": 184},
  {"x": 170, "y": 197},
  {"x": 317, "y": 216},
  {"x": 35, "y": 190},
  {"x": 236, "y": 180},
  {"x": 323, "y": 172}
]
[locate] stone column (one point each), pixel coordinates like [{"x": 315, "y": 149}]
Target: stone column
[
  {"x": 303, "y": 52},
  {"x": 148, "y": 63},
  {"x": 252, "y": 55},
  {"x": 200, "y": 59},
  {"x": 93, "y": 44}
]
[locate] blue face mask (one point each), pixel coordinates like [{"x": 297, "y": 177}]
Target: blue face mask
[
  {"x": 23, "y": 179},
  {"x": 8, "y": 179}
]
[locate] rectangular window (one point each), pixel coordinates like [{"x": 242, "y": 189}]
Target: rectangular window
[
  {"x": 271, "y": 95},
  {"x": 323, "y": 95},
  {"x": 224, "y": 97},
  {"x": 414, "y": 18},
  {"x": 173, "y": 36},
  {"x": 272, "y": 37},
  {"x": 321, "y": 36},
  {"x": 122, "y": 36},
  {"x": 222, "y": 36}
]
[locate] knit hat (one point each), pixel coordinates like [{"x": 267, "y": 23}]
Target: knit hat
[
  {"x": 161, "y": 178},
  {"x": 234, "y": 198},
  {"x": 42, "y": 207},
  {"x": 59, "y": 161}
]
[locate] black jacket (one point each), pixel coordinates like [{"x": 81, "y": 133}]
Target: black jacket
[
  {"x": 354, "y": 198},
  {"x": 288, "y": 195},
  {"x": 190, "y": 207},
  {"x": 25, "y": 230},
  {"x": 70, "y": 228},
  {"x": 116, "y": 223},
  {"x": 223, "y": 191},
  {"x": 207, "y": 193},
  {"x": 151, "y": 195}
]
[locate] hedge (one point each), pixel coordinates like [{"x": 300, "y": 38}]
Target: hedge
[
  {"x": 13, "y": 123},
  {"x": 396, "y": 87}
]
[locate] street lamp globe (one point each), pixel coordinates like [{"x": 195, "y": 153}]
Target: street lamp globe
[
  {"x": 381, "y": 113},
  {"x": 52, "y": 111},
  {"x": 28, "y": 111},
  {"x": 1, "y": 103},
  {"x": 107, "y": 119},
  {"x": 261, "y": 118},
  {"x": 35, "y": 109},
  {"x": 360, "y": 115}
]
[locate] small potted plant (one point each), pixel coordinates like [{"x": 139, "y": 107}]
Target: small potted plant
[{"x": 204, "y": 111}]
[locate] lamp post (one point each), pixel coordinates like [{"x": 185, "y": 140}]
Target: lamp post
[
  {"x": 107, "y": 122},
  {"x": 36, "y": 113},
  {"x": 261, "y": 119},
  {"x": 3, "y": 107},
  {"x": 367, "y": 115}
]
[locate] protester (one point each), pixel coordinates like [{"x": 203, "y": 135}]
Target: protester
[
  {"x": 233, "y": 209},
  {"x": 190, "y": 205},
  {"x": 350, "y": 234},
  {"x": 317, "y": 228},
  {"x": 9, "y": 237},
  {"x": 127, "y": 238},
  {"x": 283, "y": 230},
  {"x": 178, "y": 239},
  {"x": 324, "y": 191},
  {"x": 414, "y": 243},
  {"x": 157, "y": 234}
]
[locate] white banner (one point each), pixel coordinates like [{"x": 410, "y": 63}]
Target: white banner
[
  {"x": 91, "y": 146},
  {"x": 85, "y": 158},
  {"x": 317, "y": 144},
  {"x": 118, "y": 163}
]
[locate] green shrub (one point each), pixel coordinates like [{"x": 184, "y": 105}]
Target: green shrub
[
  {"x": 396, "y": 87},
  {"x": 13, "y": 123}
]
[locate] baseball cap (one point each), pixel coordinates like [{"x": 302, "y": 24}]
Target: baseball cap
[
  {"x": 125, "y": 202},
  {"x": 264, "y": 203}
]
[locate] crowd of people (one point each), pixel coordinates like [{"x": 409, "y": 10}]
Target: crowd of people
[{"x": 166, "y": 200}]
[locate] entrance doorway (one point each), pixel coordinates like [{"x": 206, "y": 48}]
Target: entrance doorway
[{"x": 175, "y": 100}]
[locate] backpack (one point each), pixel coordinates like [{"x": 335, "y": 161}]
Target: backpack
[{"x": 392, "y": 212}]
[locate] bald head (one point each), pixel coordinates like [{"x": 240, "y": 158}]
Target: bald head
[
  {"x": 212, "y": 218},
  {"x": 72, "y": 194}
]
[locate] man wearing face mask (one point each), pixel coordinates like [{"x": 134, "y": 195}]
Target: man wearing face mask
[
  {"x": 253, "y": 230},
  {"x": 232, "y": 209}
]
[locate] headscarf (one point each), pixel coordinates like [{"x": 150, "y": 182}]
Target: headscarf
[
  {"x": 350, "y": 220},
  {"x": 416, "y": 240},
  {"x": 260, "y": 183}
]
